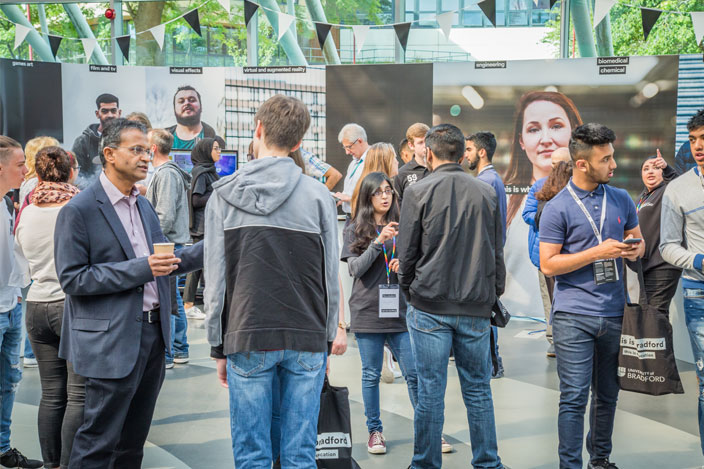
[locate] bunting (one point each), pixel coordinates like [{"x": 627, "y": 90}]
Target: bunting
[
  {"x": 54, "y": 43},
  {"x": 89, "y": 44},
  {"x": 250, "y": 8},
  {"x": 285, "y": 22},
  {"x": 322, "y": 30},
  {"x": 402, "y": 31},
  {"x": 360, "y": 35},
  {"x": 445, "y": 22},
  {"x": 601, "y": 9},
  {"x": 124, "y": 43},
  {"x": 193, "y": 21},
  {"x": 21, "y": 32},
  {"x": 698, "y": 24},
  {"x": 225, "y": 4},
  {"x": 489, "y": 9},
  {"x": 649, "y": 17},
  {"x": 158, "y": 32}
]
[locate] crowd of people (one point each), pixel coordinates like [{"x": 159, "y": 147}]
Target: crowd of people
[{"x": 98, "y": 270}]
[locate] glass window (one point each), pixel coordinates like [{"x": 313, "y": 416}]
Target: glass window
[
  {"x": 449, "y": 5},
  {"x": 472, "y": 18},
  {"x": 428, "y": 5},
  {"x": 518, "y": 18}
]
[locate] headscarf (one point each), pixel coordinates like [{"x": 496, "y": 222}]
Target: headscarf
[{"x": 202, "y": 153}]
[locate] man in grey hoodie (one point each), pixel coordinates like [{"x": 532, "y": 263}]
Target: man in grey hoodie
[
  {"x": 271, "y": 290},
  {"x": 167, "y": 192}
]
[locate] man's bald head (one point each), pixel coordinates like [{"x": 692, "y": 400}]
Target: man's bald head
[{"x": 561, "y": 154}]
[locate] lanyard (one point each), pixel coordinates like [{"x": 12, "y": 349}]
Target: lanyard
[
  {"x": 386, "y": 259},
  {"x": 361, "y": 160},
  {"x": 597, "y": 233},
  {"x": 641, "y": 200}
]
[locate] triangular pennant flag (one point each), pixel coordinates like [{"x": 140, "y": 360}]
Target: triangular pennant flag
[
  {"x": 193, "y": 21},
  {"x": 360, "y": 35},
  {"x": 158, "y": 34},
  {"x": 322, "y": 30},
  {"x": 21, "y": 32},
  {"x": 649, "y": 17},
  {"x": 250, "y": 8},
  {"x": 124, "y": 43},
  {"x": 445, "y": 22},
  {"x": 601, "y": 9},
  {"x": 489, "y": 9},
  {"x": 402, "y": 30},
  {"x": 225, "y": 5},
  {"x": 284, "y": 23},
  {"x": 698, "y": 23},
  {"x": 54, "y": 42},
  {"x": 89, "y": 44},
  {"x": 552, "y": 3}
]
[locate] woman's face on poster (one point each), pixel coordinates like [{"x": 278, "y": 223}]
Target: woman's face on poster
[{"x": 545, "y": 129}]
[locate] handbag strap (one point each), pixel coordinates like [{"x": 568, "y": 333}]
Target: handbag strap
[{"x": 639, "y": 273}]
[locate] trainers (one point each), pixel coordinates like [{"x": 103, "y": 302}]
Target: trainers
[
  {"x": 499, "y": 374},
  {"x": 387, "y": 374},
  {"x": 551, "y": 351},
  {"x": 13, "y": 458},
  {"x": 180, "y": 358},
  {"x": 30, "y": 363},
  {"x": 194, "y": 312},
  {"x": 376, "y": 443},
  {"x": 169, "y": 364},
  {"x": 446, "y": 447},
  {"x": 601, "y": 464}
]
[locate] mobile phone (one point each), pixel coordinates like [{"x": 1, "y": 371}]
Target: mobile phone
[{"x": 632, "y": 241}]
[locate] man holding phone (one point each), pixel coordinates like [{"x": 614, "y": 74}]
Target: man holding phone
[{"x": 585, "y": 233}]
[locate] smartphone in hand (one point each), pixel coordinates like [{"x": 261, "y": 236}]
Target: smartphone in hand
[{"x": 632, "y": 241}]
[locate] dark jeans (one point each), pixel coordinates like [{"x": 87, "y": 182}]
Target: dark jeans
[
  {"x": 192, "y": 280},
  {"x": 660, "y": 288},
  {"x": 587, "y": 350},
  {"x": 63, "y": 391}
]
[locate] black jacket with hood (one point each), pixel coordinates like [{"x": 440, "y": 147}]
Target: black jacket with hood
[{"x": 85, "y": 148}]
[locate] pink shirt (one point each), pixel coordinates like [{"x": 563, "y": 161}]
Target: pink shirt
[{"x": 127, "y": 211}]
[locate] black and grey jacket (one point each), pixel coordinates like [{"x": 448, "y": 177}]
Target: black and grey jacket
[
  {"x": 271, "y": 261},
  {"x": 450, "y": 244}
]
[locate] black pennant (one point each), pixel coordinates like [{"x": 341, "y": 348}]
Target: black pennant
[
  {"x": 402, "y": 31},
  {"x": 322, "y": 29},
  {"x": 193, "y": 20},
  {"x": 649, "y": 16},
  {"x": 489, "y": 9},
  {"x": 552, "y": 3},
  {"x": 250, "y": 8},
  {"x": 124, "y": 43},
  {"x": 54, "y": 42}
]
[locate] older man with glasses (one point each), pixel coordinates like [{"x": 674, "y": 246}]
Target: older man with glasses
[{"x": 354, "y": 140}]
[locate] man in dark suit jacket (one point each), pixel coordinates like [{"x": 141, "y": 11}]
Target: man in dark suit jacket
[{"x": 116, "y": 319}]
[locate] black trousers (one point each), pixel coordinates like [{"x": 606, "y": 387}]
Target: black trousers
[
  {"x": 63, "y": 391},
  {"x": 192, "y": 280},
  {"x": 660, "y": 288},
  {"x": 118, "y": 412}
]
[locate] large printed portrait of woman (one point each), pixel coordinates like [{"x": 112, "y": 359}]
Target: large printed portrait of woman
[{"x": 532, "y": 107}]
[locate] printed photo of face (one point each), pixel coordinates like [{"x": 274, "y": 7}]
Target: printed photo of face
[
  {"x": 546, "y": 128},
  {"x": 187, "y": 107}
]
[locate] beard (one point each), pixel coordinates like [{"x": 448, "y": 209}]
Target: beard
[
  {"x": 188, "y": 121},
  {"x": 472, "y": 165},
  {"x": 596, "y": 177}
]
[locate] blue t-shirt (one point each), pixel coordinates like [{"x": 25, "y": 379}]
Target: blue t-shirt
[
  {"x": 563, "y": 222},
  {"x": 491, "y": 177}
]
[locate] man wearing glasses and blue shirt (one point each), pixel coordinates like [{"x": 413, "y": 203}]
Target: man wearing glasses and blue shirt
[{"x": 354, "y": 140}]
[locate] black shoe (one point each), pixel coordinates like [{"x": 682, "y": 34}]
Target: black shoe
[
  {"x": 601, "y": 464},
  {"x": 14, "y": 458}
]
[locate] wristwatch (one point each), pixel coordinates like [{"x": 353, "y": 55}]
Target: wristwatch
[{"x": 342, "y": 325}]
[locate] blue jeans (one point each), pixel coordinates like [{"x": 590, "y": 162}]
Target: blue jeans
[
  {"x": 432, "y": 337},
  {"x": 179, "y": 327},
  {"x": 694, "y": 317},
  {"x": 371, "y": 349},
  {"x": 28, "y": 352},
  {"x": 587, "y": 350},
  {"x": 10, "y": 372},
  {"x": 250, "y": 377},
  {"x": 495, "y": 331}
]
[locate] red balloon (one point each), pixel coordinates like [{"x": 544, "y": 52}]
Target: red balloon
[{"x": 110, "y": 14}]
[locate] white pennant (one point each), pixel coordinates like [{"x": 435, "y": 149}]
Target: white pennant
[
  {"x": 89, "y": 44},
  {"x": 21, "y": 32},
  {"x": 698, "y": 23},
  {"x": 225, "y": 4},
  {"x": 360, "y": 35},
  {"x": 158, "y": 33},
  {"x": 601, "y": 9},
  {"x": 284, "y": 23},
  {"x": 445, "y": 22}
]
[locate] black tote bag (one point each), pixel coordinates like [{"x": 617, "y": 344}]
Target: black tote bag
[
  {"x": 646, "y": 360},
  {"x": 334, "y": 448}
]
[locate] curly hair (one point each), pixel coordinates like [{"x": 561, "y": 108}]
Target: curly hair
[{"x": 558, "y": 179}]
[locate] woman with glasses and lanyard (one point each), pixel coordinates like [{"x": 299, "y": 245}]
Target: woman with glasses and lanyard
[
  {"x": 377, "y": 306},
  {"x": 203, "y": 156}
]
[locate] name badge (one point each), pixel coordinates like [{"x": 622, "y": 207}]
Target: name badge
[
  {"x": 605, "y": 271},
  {"x": 389, "y": 301}
]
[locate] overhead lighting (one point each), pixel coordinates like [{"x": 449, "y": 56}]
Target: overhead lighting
[
  {"x": 650, "y": 90},
  {"x": 472, "y": 97}
]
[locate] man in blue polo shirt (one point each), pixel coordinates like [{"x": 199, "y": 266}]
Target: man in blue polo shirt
[{"x": 581, "y": 233}]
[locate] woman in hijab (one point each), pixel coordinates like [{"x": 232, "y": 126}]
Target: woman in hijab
[{"x": 203, "y": 156}]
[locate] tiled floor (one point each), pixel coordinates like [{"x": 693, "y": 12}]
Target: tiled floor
[{"x": 191, "y": 424}]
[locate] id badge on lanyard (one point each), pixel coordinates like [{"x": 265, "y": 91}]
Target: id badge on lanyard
[
  {"x": 605, "y": 270},
  {"x": 389, "y": 293}
]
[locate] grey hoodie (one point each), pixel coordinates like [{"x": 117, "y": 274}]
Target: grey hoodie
[
  {"x": 271, "y": 261},
  {"x": 167, "y": 192}
]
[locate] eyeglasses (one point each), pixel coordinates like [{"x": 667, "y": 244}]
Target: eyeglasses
[
  {"x": 379, "y": 192},
  {"x": 136, "y": 150},
  {"x": 348, "y": 147}
]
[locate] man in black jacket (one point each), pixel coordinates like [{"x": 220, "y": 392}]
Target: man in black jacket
[{"x": 451, "y": 270}]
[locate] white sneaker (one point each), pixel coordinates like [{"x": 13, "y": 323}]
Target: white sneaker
[
  {"x": 446, "y": 447},
  {"x": 30, "y": 363},
  {"x": 395, "y": 369},
  {"x": 387, "y": 373},
  {"x": 194, "y": 312}
]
